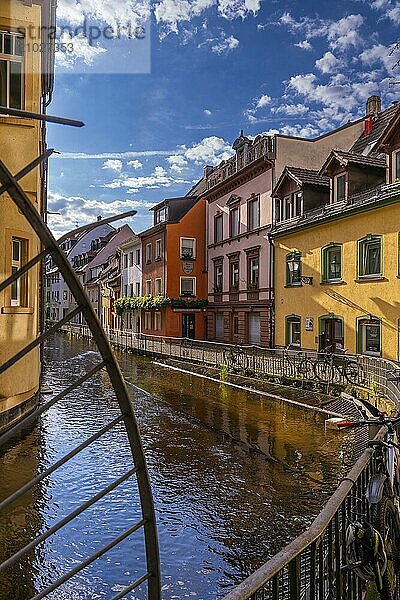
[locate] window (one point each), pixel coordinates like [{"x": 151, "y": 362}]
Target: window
[
  {"x": 148, "y": 253},
  {"x": 396, "y": 166},
  {"x": 126, "y": 290},
  {"x": 131, "y": 259},
  {"x": 293, "y": 269},
  {"x": 137, "y": 291},
  {"x": 253, "y": 270},
  {"x": 158, "y": 286},
  {"x": 235, "y": 325},
  {"x": 218, "y": 228},
  {"x": 339, "y": 188},
  {"x": 253, "y": 216},
  {"x": 234, "y": 226},
  {"x": 288, "y": 204},
  {"x": 370, "y": 257},
  {"x": 160, "y": 215},
  {"x": 188, "y": 286},
  {"x": 157, "y": 321},
  {"x": 188, "y": 248},
  {"x": 137, "y": 257},
  {"x": 369, "y": 336},
  {"x": 131, "y": 290},
  {"x": 293, "y": 331},
  {"x": 148, "y": 287},
  {"x": 147, "y": 320},
  {"x": 65, "y": 295},
  {"x": 234, "y": 279},
  {"x": 218, "y": 278},
  {"x": 125, "y": 261},
  {"x": 278, "y": 206},
  {"x": 158, "y": 249},
  {"x": 19, "y": 289},
  {"x": 11, "y": 69},
  {"x": 332, "y": 263}
]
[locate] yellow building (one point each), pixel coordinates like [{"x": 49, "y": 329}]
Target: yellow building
[
  {"x": 336, "y": 239},
  {"x": 25, "y": 84}
]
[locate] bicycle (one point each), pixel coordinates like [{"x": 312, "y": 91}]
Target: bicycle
[
  {"x": 373, "y": 544},
  {"x": 329, "y": 365},
  {"x": 291, "y": 368},
  {"x": 236, "y": 358}
]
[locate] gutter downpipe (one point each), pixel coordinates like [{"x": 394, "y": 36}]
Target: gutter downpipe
[{"x": 271, "y": 291}]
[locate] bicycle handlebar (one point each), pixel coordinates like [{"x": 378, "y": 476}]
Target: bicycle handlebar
[{"x": 381, "y": 420}]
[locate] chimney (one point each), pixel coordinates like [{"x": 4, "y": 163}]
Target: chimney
[
  {"x": 208, "y": 170},
  {"x": 374, "y": 106}
]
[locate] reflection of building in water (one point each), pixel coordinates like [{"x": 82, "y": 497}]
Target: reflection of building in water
[{"x": 22, "y": 520}]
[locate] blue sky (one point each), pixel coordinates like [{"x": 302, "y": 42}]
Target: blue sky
[{"x": 217, "y": 66}]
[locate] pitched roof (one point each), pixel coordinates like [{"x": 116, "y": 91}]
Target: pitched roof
[
  {"x": 120, "y": 236},
  {"x": 301, "y": 176},
  {"x": 308, "y": 176},
  {"x": 353, "y": 158},
  {"x": 366, "y": 143}
]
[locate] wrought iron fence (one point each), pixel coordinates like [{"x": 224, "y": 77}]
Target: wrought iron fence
[
  {"x": 146, "y": 522},
  {"x": 311, "y": 566},
  {"x": 379, "y": 377}
]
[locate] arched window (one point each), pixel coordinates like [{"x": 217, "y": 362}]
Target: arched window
[{"x": 332, "y": 262}]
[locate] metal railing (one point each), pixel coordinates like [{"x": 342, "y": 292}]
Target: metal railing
[
  {"x": 379, "y": 377},
  {"x": 311, "y": 566},
  {"x": 146, "y": 523}
]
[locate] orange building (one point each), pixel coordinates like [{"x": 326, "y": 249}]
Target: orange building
[{"x": 174, "y": 262}]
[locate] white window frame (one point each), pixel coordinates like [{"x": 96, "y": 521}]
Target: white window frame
[
  {"x": 147, "y": 320},
  {"x": 20, "y": 286},
  {"x": 193, "y": 279},
  {"x": 148, "y": 287},
  {"x": 137, "y": 257},
  {"x": 335, "y": 187},
  {"x": 158, "y": 249},
  {"x": 394, "y": 165},
  {"x": 182, "y": 239},
  {"x": 12, "y": 58},
  {"x": 158, "y": 286},
  {"x": 157, "y": 321},
  {"x": 149, "y": 252}
]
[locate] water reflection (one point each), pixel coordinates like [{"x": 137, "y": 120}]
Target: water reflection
[{"x": 235, "y": 477}]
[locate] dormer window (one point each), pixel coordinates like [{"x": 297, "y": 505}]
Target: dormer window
[
  {"x": 339, "y": 190},
  {"x": 396, "y": 166},
  {"x": 160, "y": 215}
]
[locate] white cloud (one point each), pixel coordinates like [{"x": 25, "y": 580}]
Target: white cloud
[
  {"x": 291, "y": 110},
  {"x": 171, "y": 13},
  {"x": 82, "y": 51},
  {"x": 207, "y": 112},
  {"x": 135, "y": 164},
  {"x": 328, "y": 63},
  {"x": 263, "y": 101},
  {"x": 110, "y": 13},
  {"x": 211, "y": 150},
  {"x": 378, "y": 54},
  {"x": 341, "y": 34},
  {"x": 304, "y": 45},
  {"x": 106, "y": 155},
  {"x": 225, "y": 45},
  {"x": 177, "y": 163},
  {"x": 78, "y": 210},
  {"x": 156, "y": 180},
  {"x": 112, "y": 164},
  {"x": 394, "y": 14}
]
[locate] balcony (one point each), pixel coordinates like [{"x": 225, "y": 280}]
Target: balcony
[
  {"x": 262, "y": 147},
  {"x": 365, "y": 199}
]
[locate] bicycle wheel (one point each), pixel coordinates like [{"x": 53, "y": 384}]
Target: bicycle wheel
[
  {"x": 306, "y": 369},
  {"x": 288, "y": 369},
  {"x": 354, "y": 372},
  {"x": 385, "y": 518},
  {"x": 324, "y": 371}
]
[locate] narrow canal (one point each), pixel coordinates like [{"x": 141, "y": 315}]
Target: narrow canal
[{"x": 235, "y": 477}]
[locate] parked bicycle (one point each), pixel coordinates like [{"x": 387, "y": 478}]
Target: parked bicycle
[
  {"x": 236, "y": 358},
  {"x": 372, "y": 544},
  {"x": 302, "y": 367},
  {"x": 330, "y": 367}
]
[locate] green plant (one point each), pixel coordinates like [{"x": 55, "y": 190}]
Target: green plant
[
  {"x": 223, "y": 372},
  {"x": 126, "y": 303}
]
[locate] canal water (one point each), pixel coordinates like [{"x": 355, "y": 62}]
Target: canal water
[{"x": 235, "y": 477}]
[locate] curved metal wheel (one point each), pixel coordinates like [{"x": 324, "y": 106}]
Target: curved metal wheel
[
  {"x": 324, "y": 371},
  {"x": 147, "y": 523}
]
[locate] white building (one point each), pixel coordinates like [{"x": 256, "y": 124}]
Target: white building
[{"x": 131, "y": 280}]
